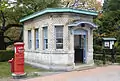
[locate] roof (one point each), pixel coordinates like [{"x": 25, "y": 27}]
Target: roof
[
  {"x": 77, "y": 23},
  {"x": 59, "y": 10},
  {"x": 109, "y": 39}
]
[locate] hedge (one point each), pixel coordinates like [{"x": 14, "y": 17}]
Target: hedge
[
  {"x": 108, "y": 57},
  {"x": 6, "y": 55}
]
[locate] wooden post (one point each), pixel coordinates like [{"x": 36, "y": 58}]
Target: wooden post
[
  {"x": 104, "y": 58},
  {"x": 113, "y": 55}
]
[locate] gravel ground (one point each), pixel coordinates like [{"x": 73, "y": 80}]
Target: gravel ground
[
  {"x": 105, "y": 76},
  {"x": 108, "y": 73},
  {"x": 8, "y": 79}
]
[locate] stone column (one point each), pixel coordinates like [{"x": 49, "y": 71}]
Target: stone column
[
  {"x": 41, "y": 43},
  {"x": 51, "y": 36},
  {"x": 90, "y": 47},
  {"x": 72, "y": 43},
  {"x": 72, "y": 46},
  {"x": 65, "y": 38},
  {"x": 25, "y": 34}
]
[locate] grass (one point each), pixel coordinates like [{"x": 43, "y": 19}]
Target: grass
[
  {"x": 29, "y": 68},
  {"x": 5, "y": 69}
]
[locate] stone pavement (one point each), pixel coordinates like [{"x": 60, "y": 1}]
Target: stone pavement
[{"x": 108, "y": 73}]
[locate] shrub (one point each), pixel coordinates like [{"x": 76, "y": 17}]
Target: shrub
[
  {"x": 6, "y": 55},
  {"x": 97, "y": 49},
  {"x": 107, "y": 57},
  {"x": 118, "y": 59},
  {"x": 98, "y": 62}
]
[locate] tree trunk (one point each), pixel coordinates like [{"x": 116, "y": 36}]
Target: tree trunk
[{"x": 2, "y": 44}]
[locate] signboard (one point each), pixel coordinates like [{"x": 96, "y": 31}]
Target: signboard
[
  {"x": 106, "y": 44},
  {"x": 111, "y": 44}
]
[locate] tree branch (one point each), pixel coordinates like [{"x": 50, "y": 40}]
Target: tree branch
[
  {"x": 21, "y": 35},
  {"x": 67, "y": 4},
  {"x": 3, "y": 19},
  {"x": 12, "y": 42},
  {"x": 8, "y": 38},
  {"x": 12, "y": 25}
]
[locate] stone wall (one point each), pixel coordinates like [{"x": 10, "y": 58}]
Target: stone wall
[{"x": 50, "y": 61}]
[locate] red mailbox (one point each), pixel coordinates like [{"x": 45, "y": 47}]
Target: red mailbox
[
  {"x": 17, "y": 63},
  {"x": 19, "y": 58}
]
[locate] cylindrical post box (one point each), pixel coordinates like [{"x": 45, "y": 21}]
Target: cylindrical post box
[{"x": 19, "y": 58}]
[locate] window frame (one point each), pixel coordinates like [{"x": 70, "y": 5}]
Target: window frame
[
  {"x": 59, "y": 37},
  {"x": 37, "y": 38},
  {"x": 29, "y": 39},
  {"x": 45, "y": 37}
]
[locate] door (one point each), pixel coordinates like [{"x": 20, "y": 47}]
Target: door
[{"x": 79, "y": 47}]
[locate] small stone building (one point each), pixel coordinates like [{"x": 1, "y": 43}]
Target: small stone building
[{"x": 59, "y": 38}]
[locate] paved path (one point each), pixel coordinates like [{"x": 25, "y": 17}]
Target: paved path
[{"x": 108, "y": 73}]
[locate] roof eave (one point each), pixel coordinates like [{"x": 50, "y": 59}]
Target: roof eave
[{"x": 54, "y": 10}]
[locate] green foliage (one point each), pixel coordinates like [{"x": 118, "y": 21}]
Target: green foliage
[
  {"x": 10, "y": 14},
  {"x": 26, "y": 7},
  {"x": 3, "y": 5},
  {"x": 105, "y": 5},
  {"x": 97, "y": 49},
  {"x": 118, "y": 59},
  {"x": 109, "y": 23},
  {"x": 108, "y": 57},
  {"x": 98, "y": 62},
  {"x": 111, "y": 5},
  {"x": 6, "y": 55}
]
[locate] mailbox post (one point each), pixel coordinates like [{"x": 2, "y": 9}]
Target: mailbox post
[
  {"x": 108, "y": 45},
  {"x": 17, "y": 64}
]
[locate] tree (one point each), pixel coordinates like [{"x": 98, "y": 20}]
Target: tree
[
  {"x": 10, "y": 13},
  {"x": 3, "y": 26},
  {"x": 111, "y": 5},
  {"x": 109, "y": 22}
]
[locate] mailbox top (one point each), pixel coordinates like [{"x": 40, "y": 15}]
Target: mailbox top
[
  {"x": 18, "y": 43},
  {"x": 109, "y": 39}
]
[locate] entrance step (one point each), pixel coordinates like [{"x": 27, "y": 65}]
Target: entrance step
[{"x": 84, "y": 67}]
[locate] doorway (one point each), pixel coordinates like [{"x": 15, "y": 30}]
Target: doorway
[{"x": 79, "y": 47}]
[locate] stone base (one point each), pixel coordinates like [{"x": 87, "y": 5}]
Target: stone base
[
  {"x": 18, "y": 76},
  {"x": 52, "y": 67},
  {"x": 62, "y": 67},
  {"x": 84, "y": 67}
]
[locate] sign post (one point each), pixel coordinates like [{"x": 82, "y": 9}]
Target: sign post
[{"x": 108, "y": 45}]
